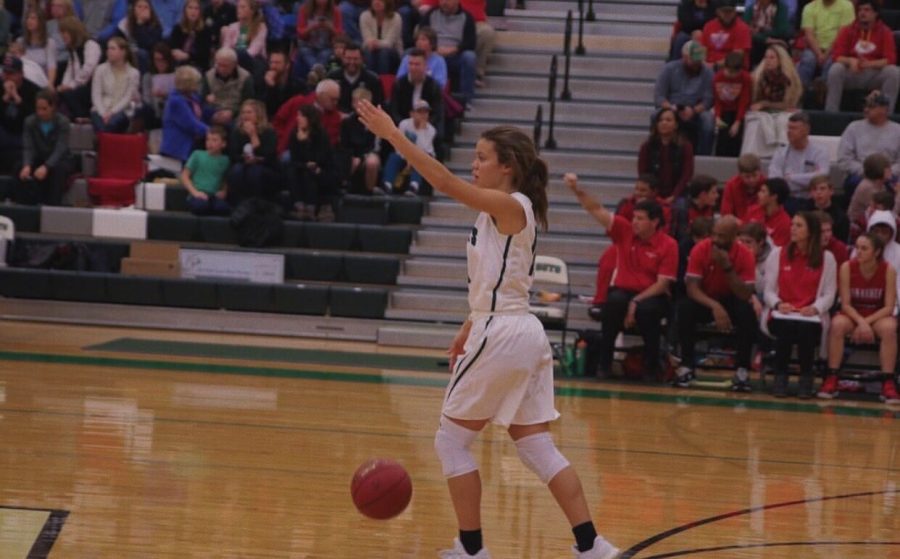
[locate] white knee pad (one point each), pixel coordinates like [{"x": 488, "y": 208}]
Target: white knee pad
[
  {"x": 541, "y": 456},
  {"x": 452, "y": 444}
]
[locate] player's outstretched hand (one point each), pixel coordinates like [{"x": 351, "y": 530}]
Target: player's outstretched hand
[
  {"x": 571, "y": 180},
  {"x": 376, "y": 120}
]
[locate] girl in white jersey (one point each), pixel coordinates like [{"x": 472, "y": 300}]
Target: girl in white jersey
[{"x": 500, "y": 359}]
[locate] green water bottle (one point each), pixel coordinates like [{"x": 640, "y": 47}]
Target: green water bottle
[
  {"x": 569, "y": 361},
  {"x": 580, "y": 356}
]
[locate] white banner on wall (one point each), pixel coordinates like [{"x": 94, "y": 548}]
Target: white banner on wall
[{"x": 255, "y": 267}]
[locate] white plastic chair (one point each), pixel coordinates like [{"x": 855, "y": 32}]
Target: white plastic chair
[
  {"x": 7, "y": 236},
  {"x": 552, "y": 272}
]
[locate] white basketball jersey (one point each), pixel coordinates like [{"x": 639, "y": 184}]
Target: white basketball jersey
[{"x": 501, "y": 266}]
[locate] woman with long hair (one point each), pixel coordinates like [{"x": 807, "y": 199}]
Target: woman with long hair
[
  {"x": 776, "y": 96},
  {"x": 84, "y": 57},
  {"x": 318, "y": 23},
  {"x": 157, "y": 84},
  {"x": 142, "y": 29},
  {"x": 500, "y": 360},
  {"x": 39, "y": 48},
  {"x": 667, "y": 156},
  {"x": 868, "y": 300},
  {"x": 190, "y": 40},
  {"x": 247, "y": 36},
  {"x": 115, "y": 89},
  {"x": 252, "y": 148},
  {"x": 59, "y": 9},
  {"x": 800, "y": 289},
  {"x": 382, "y": 37},
  {"x": 312, "y": 162}
]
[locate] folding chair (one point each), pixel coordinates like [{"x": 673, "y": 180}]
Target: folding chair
[
  {"x": 121, "y": 163},
  {"x": 7, "y": 236},
  {"x": 550, "y": 271}
]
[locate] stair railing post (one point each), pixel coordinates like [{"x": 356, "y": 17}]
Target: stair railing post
[
  {"x": 591, "y": 16},
  {"x": 579, "y": 50},
  {"x": 538, "y": 125},
  {"x": 551, "y": 97},
  {"x": 566, "y": 95}
]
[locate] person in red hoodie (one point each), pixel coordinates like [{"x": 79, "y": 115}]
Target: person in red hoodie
[
  {"x": 731, "y": 98},
  {"x": 325, "y": 98},
  {"x": 741, "y": 191},
  {"x": 726, "y": 33},
  {"x": 770, "y": 211},
  {"x": 865, "y": 57}
]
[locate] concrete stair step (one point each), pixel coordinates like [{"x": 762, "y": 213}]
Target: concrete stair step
[
  {"x": 534, "y": 40},
  {"x": 603, "y": 8},
  {"x": 451, "y": 273},
  {"x": 533, "y": 87},
  {"x": 579, "y": 66},
  {"x": 419, "y": 335},
  {"x": 582, "y": 112},
  {"x": 614, "y": 27},
  {"x": 453, "y": 306},
  {"x": 593, "y": 165},
  {"x": 569, "y": 219},
  {"x": 610, "y": 192},
  {"x": 451, "y": 242},
  {"x": 602, "y": 16},
  {"x": 605, "y": 139}
]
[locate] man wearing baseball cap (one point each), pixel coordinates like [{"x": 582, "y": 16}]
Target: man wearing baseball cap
[{"x": 726, "y": 33}]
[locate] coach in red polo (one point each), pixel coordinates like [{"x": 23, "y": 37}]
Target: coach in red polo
[
  {"x": 720, "y": 279},
  {"x": 646, "y": 265}
]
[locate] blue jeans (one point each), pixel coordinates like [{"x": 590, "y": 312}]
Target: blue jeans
[
  {"x": 211, "y": 206},
  {"x": 392, "y": 167},
  {"x": 307, "y": 57},
  {"x": 382, "y": 61},
  {"x": 808, "y": 65},
  {"x": 350, "y": 19},
  {"x": 118, "y": 122},
  {"x": 462, "y": 64}
]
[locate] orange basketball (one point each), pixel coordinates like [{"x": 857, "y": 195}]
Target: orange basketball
[{"x": 381, "y": 488}]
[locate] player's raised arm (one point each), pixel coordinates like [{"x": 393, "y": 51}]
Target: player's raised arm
[
  {"x": 506, "y": 211},
  {"x": 593, "y": 207}
]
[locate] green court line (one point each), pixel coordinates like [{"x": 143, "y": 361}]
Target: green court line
[
  {"x": 278, "y": 354},
  {"x": 440, "y": 382}
]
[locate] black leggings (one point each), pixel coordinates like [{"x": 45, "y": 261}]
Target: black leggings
[{"x": 789, "y": 332}]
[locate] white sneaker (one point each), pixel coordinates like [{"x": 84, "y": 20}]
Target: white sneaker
[
  {"x": 459, "y": 552},
  {"x": 602, "y": 550}
]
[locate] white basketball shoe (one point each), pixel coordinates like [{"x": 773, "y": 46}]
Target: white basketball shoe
[
  {"x": 459, "y": 552},
  {"x": 602, "y": 550}
]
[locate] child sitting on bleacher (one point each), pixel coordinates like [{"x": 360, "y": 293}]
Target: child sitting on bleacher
[
  {"x": 203, "y": 176},
  {"x": 419, "y": 130}
]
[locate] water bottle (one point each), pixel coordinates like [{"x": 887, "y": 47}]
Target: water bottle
[
  {"x": 569, "y": 361},
  {"x": 580, "y": 356}
]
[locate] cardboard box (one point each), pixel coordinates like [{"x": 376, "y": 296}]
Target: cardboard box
[
  {"x": 150, "y": 267},
  {"x": 152, "y": 250}
]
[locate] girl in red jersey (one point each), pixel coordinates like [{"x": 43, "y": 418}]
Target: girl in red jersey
[
  {"x": 800, "y": 289},
  {"x": 867, "y": 309}
]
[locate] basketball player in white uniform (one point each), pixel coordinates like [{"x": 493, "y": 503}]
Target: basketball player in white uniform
[{"x": 500, "y": 359}]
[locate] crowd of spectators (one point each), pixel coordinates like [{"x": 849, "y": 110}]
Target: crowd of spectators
[
  {"x": 782, "y": 260},
  {"x": 268, "y": 86}
]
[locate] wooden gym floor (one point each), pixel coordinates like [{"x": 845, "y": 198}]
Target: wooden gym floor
[{"x": 156, "y": 444}]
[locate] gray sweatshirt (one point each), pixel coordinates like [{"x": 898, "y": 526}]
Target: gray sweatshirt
[{"x": 861, "y": 139}]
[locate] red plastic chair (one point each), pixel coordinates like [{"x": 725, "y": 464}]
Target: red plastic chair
[
  {"x": 387, "y": 85},
  {"x": 121, "y": 164}
]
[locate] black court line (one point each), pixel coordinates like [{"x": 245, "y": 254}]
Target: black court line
[
  {"x": 775, "y": 544},
  {"x": 637, "y": 548},
  {"x": 49, "y": 532}
]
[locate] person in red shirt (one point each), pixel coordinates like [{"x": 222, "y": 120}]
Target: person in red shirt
[
  {"x": 720, "y": 281},
  {"x": 867, "y": 308},
  {"x": 865, "y": 57},
  {"x": 799, "y": 292},
  {"x": 731, "y": 98},
  {"x": 769, "y": 211},
  {"x": 742, "y": 190},
  {"x": 726, "y": 33},
  {"x": 830, "y": 242},
  {"x": 646, "y": 187},
  {"x": 325, "y": 98},
  {"x": 646, "y": 265}
]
